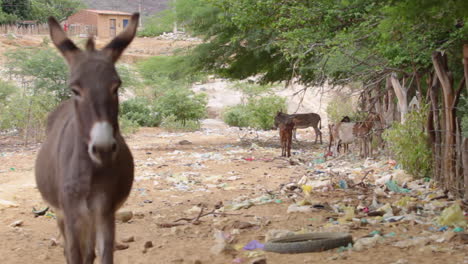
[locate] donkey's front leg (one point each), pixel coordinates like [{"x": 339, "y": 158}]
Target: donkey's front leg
[
  {"x": 106, "y": 236},
  {"x": 72, "y": 236}
]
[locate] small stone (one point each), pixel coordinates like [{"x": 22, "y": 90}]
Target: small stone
[
  {"x": 259, "y": 261},
  {"x": 148, "y": 244},
  {"x": 185, "y": 142},
  {"x": 139, "y": 215},
  {"x": 44, "y": 257},
  {"x": 120, "y": 246},
  {"x": 17, "y": 223},
  {"x": 124, "y": 216},
  {"x": 53, "y": 242},
  {"x": 197, "y": 262},
  {"x": 128, "y": 239}
]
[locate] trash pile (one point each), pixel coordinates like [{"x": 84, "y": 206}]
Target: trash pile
[{"x": 343, "y": 196}]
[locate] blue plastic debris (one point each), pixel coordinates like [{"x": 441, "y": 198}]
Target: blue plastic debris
[{"x": 393, "y": 186}]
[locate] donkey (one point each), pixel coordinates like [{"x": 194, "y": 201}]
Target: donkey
[
  {"x": 302, "y": 121},
  {"x": 333, "y": 130},
  {"x": 364, "y": 132},
  {"x": 286, "y": 129},
  {"x": 84, "y": 168}
]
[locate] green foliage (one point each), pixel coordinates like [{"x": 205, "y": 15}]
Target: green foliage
[
  {"x": 44, "y": 70},
  {"x": 464, "y": 125},
  {"x": 26, "y": 113},
  {"x": 6, "y": 89},
  {"x": 237, "y": 116},
  {"x": 183, "y": 104},
  {"x": 251, "y": 90},
  {"x": 140, "y": 112},
  {"x": 127, "y": 126},
  {"x": 6, "y": 18},
  {"x": 171, "y": 123},
  {"x": 166, "y": 72},
  {"x": 318, "y": 41},
  {"x": 128, "y": 76},
  {"x": 339, "y": 107},
  {"x": 462, "y": 113},
  {"x": 60, "y": 9},
  {"x": 19, "y": 8},
  {"x": 408, "y": 143},
  {"x": 258, "y": 113},
  {"x": 157, "y": 24}
]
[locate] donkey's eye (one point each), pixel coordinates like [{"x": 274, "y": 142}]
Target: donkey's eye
[
  {"x": 76, "y": 92},
  {"x": 115, "y": 88}
]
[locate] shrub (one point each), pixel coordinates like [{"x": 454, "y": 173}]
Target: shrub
[
  {"x": 237, "y": 116},
  {"x": 157, "y": 24},
  {"x": 264, "y": 110},
  {"x": 6, "y": 89},
  {"x": 172, "y": 124},
  {"x": 139, "y": 111},
  {"x": 44, "y": 68},
  {"x": 339, "y": 107},
  {"x": 465, "y": 126},
  {"x": 27, "y": 114},
  {"x": 258, "y": 113},
  {"x": 127, "y": 126},
  {"x": 183, "y": 104},
  {"x": 462, "y": 113},
  {"x": 408, "y": 144},
  {"x": 128, "y": 76}
]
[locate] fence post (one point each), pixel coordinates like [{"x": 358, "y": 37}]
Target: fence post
[
  {"x": 465, "y": 140},
  {"x": 465, "y": 63},
  {"x": 465, "y": 166}
]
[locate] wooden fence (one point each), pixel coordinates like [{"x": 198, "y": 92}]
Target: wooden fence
[{"x": 43, "y": 29}]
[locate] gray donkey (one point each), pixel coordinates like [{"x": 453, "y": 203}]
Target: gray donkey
[
  {"x": 84, "y": 168},
  {"x": 302, "y": 121}
]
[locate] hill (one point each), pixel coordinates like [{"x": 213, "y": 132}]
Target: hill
[{"x": 148, "y": 7}]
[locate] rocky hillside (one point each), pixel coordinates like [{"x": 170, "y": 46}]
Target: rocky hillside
[{"x": 148, "y": 7}]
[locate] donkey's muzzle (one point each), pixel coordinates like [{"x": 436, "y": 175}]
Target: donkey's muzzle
[{"x": 102, "y": 147}]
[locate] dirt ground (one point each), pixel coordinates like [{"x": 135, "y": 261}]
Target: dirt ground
[
  {"x": 140, "y": 48},
  {"x": 174, "y": 180}
]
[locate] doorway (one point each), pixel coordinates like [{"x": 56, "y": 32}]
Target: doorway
[{"x": 112, "y": 28}]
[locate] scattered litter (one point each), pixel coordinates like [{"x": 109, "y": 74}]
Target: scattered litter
[
  {"x": 393, "y": 186},
  {"x": 254, "y": 244},
  {"x": 417, "y": 241},
  {"x": 452, "y": 216},
  {"x": 7, "y": 204},
  {"x": 367, "y": 242},
  {"x": 40, "y": 212},
  {"x": 17, "y": 223}
]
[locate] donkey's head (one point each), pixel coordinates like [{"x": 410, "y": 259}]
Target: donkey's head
[{"x": 94, "y": 82}]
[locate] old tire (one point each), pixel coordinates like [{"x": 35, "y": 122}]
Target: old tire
[{"x": 304, "y": 243}]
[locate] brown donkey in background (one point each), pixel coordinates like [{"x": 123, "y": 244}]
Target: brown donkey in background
[
  {"x": 286, "y": 130},
  {"x": 84, "y": 168}
]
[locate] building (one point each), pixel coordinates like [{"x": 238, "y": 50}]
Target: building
[{"x": 101, "y": 23}]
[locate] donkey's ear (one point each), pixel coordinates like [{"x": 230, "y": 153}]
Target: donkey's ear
[
  {"x": 116, "y": 47},
  {"x": 68, "y": 49}
]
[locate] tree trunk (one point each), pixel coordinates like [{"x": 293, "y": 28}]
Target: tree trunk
[
  {"x": 446, "y": 81},
  {"x": 437, "y": 148},
  {"x": 401, "y": 93}
]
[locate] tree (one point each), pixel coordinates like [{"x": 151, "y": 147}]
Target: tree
[
  {"x": 60, "y": 9},
  {"x": 42, "y": 70},
  {"x": 19, "y": 8}
]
